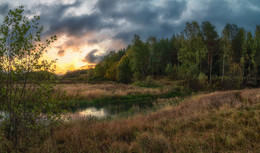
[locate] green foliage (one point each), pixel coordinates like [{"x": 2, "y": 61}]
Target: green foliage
[
  {"x": 257, "y": 43},
  {"x": 107, "y": 67},
  {"x": 139, "y": 58},
  {"x": 26, "y": 81},
  {"x": 112, "y": 72},
  {"x": 127, "y": 102},
  {"x": 161, "y": 54},
  {"x": 124, "y": 73},
  {"x": 197, "y": 50},
  {"x": 203, "y": 79},
  {"x": 149, "y": 82},
  {"x": 235, "y": 78},
  {"x": 250, "y": 64},
  {"x": 210, "y": 38},
  {"x": 169, "y": 70},
  {"x": 192, "y": 54}
]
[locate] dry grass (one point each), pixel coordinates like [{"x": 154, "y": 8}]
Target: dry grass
[
  {"x": 217, "y": 122},
  {"x": 89, "y": 91}
]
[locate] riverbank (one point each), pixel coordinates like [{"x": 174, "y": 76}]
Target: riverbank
[
  {"x": 220, "y": 121},
  {"x": 112, "y": 99}
]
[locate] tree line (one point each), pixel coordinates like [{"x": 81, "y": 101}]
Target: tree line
[{"x": 198, "y": 53}]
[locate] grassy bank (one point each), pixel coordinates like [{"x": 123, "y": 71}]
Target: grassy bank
[
  {"x": 217, "y": 122},
  {"x": 80, "y": 96},
  {"x": 85, "y": 91},
  {"x": 140, "y": 100}
]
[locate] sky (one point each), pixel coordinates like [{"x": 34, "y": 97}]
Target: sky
[{"x": 89, "y": 29}]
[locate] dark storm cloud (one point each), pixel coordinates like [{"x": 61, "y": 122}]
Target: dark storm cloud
[
  {"x": 143, "y": 17},
  {"x": 151, "y": 20},
  {"x": 221, "y": 12},
  {"x": 4, "y": 8},
  {"x": 95, "y": 41},
  {"x": 134, "y": 11},
  {"x": 160, "y": 30},
  {"x": 124, "y": 18},
  {"x": 76, "y": 26},
  {"x": 141, "y": 11},
  {"x": 126, "y": 36},
  {"x": 172, "y": 9},
  {"x": 91, "y": 57},
  {"x": 52, "y": 17}
]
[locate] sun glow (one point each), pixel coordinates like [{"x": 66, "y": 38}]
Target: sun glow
[
  {"x": 71, "y": 51},
  {"x": 72, "y": 57}
]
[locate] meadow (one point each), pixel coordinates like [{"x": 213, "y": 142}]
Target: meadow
[
  {"x": 162, "y": 116},
  {"x": 227, "y": 121},
  {"x": 177, "y": 120},
  {"x": 84, "y": 91}
]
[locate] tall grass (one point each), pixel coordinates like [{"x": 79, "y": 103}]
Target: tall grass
[
  {"x": 127, "y": 100},
  {"x": 217, "y": 122},
  {"x": 91, "y": 91}
]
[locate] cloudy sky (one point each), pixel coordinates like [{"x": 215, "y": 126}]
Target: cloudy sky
[{"x": 88, "y": 29}]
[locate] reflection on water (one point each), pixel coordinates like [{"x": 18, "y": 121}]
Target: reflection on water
[
  {"x": 92, "y": 111},
  {"x": 98, "y": 112},
  {"x": 85, "y": 113},
  {"x": 106, "y": 111},
  {"x": 88, "y": 112}
]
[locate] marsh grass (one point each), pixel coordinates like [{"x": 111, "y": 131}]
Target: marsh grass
[
  {"x": 217, "y": 122},
  {"x": 83, "y": 91},
  {"x": 142, "y": 100},
  {"x": 80, "y": 96}
]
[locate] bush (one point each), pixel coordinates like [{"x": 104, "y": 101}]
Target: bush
[
  {"x": 149, "y": 83},
  {"x": 169, "y": 70},
  {"x": 203, "y": 79}
]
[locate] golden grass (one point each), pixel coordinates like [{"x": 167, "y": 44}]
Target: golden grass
[
  {"x": 89, "y": 91},
  {"x": 217, "y": 122}
]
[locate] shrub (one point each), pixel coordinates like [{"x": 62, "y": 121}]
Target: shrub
[
  {"x": 149, "y": 83},
  {"x": 203, "y": 79}
]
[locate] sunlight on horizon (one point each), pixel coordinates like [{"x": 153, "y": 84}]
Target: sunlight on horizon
[
  {"x": 71, "y": 52},
  {"x": 72, "y": 57}
]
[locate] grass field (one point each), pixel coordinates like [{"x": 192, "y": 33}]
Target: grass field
[
  {"x": 83, "y": 91},
  {"x": 178, "y": 121},
  {"x": 217, "y": 122}
]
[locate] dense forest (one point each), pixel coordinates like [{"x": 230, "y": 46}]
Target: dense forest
[{"x": 198, "y": 55}]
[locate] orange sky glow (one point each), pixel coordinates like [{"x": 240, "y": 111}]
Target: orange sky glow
[{"x": 74, "y": 51}]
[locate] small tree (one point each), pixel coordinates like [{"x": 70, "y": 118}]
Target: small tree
[{"x": 26, "y": 81}]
